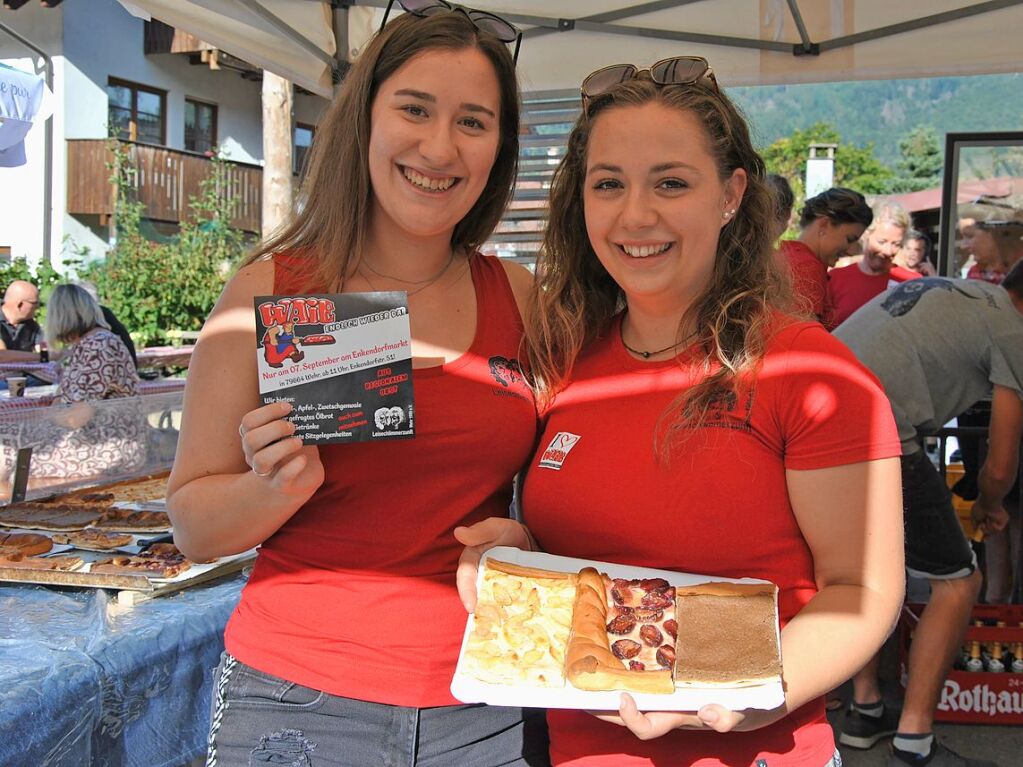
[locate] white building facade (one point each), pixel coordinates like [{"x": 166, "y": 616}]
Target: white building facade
[{"x": 175, "y": 104}]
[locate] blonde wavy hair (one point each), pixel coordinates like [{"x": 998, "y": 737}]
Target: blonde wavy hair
[{"x": 577, "y": 300}]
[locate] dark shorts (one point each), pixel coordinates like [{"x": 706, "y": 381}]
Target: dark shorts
[
  {"x": 259, "y": 719},
  {"x": 936, "y": 546}
]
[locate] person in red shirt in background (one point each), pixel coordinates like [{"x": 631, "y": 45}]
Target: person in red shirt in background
[
  {"x": 850, "y": 287},
  {"x": 831, "y": 226},
  {"x": 996, "y": 245},
  {"x": 714, "y": 433}
]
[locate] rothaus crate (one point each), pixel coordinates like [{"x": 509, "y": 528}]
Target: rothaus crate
[{"x": 993, "y": 694}]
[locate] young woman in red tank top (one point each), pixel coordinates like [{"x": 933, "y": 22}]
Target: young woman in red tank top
[{"x": 342, "y": 648}]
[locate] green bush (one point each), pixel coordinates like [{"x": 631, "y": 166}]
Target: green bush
[
  {"x": 44, "y": 277},
  {"x": 154, "y": 287}
]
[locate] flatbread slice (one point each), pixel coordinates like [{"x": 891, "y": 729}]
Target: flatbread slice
[
  {"x": 91, "y": 539},
  {"x": 50, "y": 517},
  {"x": 727, "y": 635}
]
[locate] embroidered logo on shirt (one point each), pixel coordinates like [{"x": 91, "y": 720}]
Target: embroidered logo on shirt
[
  {"x": 505, "y": 371},
  {"x": 508, "y": 373},
  {"x": 731, "y": 410},
  {"x": 556, "y": 453}
]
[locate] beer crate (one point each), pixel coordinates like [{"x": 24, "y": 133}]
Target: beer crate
[{"x": 975, "y": 697}]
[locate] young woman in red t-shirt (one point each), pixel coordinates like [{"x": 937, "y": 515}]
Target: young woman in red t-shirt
[
  {"x": 831, "y": 224},
  {"x": 342, "y": 648},
  {"x": 713, "y": 433}
]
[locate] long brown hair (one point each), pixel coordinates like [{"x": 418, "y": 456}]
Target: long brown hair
[
  {"x": 577, "y": 299},
  {"x": 332, "y": 218}
]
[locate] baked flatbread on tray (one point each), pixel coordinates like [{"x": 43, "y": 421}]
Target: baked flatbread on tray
[
  {"x": 153, "y": 567},
  {"x": 61, "y": 562},
  {"x": 128, "y": 521},
  {"x": 71, "y": 517},
  {"x": 91, "y": 539},
  {"x": 50, "y": 516},
  {"x": 93, "y": 507},
  {"x": 25, "y": 544}
]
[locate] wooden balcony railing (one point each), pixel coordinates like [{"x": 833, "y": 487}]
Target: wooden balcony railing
[{"x": 165, "y": 181}]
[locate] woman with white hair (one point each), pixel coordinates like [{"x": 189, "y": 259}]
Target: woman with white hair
[
  {"x": 81, "y": 440},
  {"x": 97, "y": 363}
]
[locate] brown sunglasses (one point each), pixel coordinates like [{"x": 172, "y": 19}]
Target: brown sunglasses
[{"x": 678, "y": 70}]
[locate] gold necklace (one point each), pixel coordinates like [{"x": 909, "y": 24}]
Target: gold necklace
[{"x": 648, "y": 355}]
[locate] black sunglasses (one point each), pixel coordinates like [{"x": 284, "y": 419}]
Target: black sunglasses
[
  {"x": 484, "y": 21},
  {"x": 678, "y": 70}
]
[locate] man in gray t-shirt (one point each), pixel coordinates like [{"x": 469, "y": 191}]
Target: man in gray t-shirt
[{"x": 938, "y": 346}]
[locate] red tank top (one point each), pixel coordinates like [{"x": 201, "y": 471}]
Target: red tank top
[{"x": 355, "y": 595}]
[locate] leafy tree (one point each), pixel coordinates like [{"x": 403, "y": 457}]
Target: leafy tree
[
  {"x": 44, "y": 277},
  {"x": 155, "y": 287},
  {"x": 855, "y": 167},
  {"x": 921, "y": 164}
]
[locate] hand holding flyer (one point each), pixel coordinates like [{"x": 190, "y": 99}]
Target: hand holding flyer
[{"x": 344, "y": 362}]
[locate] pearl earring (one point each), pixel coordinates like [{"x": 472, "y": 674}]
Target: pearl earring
[{"x": 728, "y": 213}]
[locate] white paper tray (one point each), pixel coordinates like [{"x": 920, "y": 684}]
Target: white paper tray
[{"x": 471, "y": 690}]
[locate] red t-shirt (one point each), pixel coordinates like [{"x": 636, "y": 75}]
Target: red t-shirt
[
  {"x": 850, "y": 287},
  {"x": 994, "y": 276},
  {"x": 721, "y": 507},
  {"x": 809, "y": 278},
  {"x": 355, "y": 594}
]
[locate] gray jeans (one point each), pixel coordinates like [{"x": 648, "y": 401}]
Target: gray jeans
[{"x": 258, "y": 719}]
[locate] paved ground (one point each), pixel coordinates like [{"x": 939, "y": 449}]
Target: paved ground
[{"x": 1001, "y": 744}]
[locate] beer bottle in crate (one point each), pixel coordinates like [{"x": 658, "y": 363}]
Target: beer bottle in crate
[
  {"x": 976, "y": 661},
  {"x": 962, "y": 657},
  {"x": 1016, "y": 664},
  {"x": 994, "y": 661}
]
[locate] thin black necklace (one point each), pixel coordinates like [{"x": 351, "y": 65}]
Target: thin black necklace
[{"x": 648, "y": 355}]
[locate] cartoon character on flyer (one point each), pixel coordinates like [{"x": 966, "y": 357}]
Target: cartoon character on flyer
[{"x": 281, "y": 343}]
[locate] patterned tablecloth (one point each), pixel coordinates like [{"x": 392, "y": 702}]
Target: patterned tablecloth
[
  {"x": 83, "y": 682},
  {"x": 150, "y": 357},
  {"x": 164, "y": 356},
  {"x": 44, "y": 371},
  {"x": 45, "y": 398}
]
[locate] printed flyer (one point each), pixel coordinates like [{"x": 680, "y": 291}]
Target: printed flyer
[{"x": 344, "y": 362}]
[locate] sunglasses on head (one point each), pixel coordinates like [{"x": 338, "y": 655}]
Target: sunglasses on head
[
  {"x": 678, "y": 70},
  {"x": 484, "y": 21}
]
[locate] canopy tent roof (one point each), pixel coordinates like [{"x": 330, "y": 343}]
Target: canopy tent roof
[{"x": 748, "y": 42}]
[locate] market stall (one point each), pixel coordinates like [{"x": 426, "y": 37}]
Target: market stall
[
  {"x": 110, "y": 635},
  {"x": 85, "y": 681}
]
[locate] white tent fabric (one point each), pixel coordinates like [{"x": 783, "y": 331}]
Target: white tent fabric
[
  {"x": 291, "y": 38},
  {"x": 24, "y": 101},
  {"x": 748, "y": 42}
]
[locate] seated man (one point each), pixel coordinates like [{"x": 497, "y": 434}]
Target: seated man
[{"x": 19, "y": 332}]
